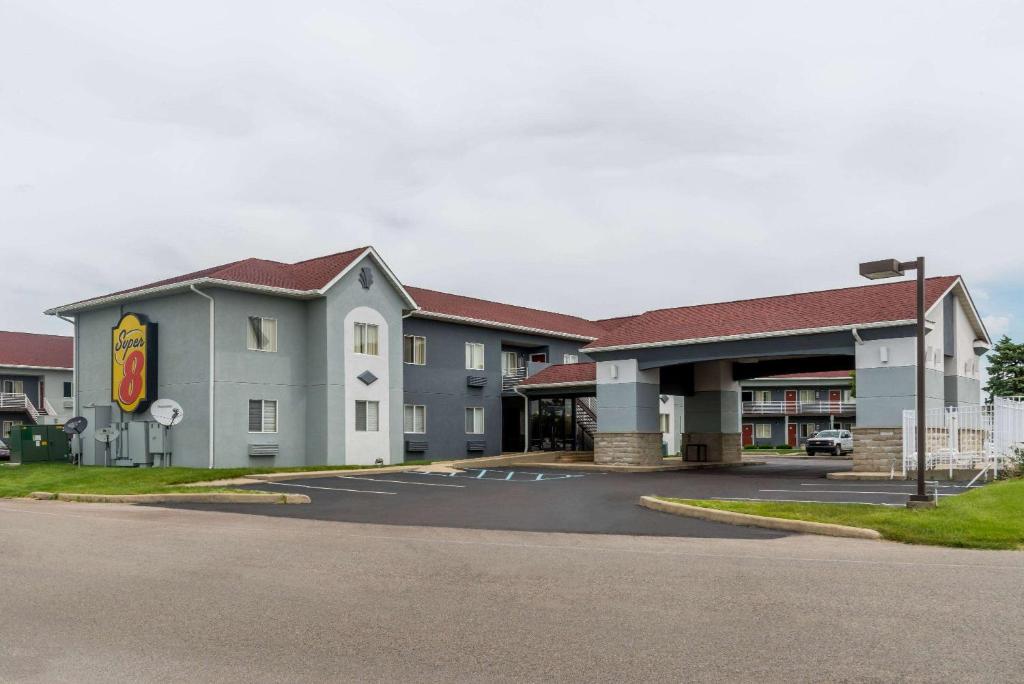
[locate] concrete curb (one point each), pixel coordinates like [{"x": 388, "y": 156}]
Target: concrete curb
[
  {"x": 733, "y": 518},
  {"x": 210, "y": 497},
  {"x": 862, "y": 476}
]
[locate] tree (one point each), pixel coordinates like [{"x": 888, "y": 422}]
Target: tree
[{"x": 1006, "y": 369}]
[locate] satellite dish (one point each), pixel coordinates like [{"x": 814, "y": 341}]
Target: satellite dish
[
  {"x": 75, "y": 426},
  {"x": 167, "y": 412},
  {"x": 106, "y": 435}
]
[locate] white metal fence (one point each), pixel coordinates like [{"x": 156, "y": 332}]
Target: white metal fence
[{"x": 966, "y": 437}]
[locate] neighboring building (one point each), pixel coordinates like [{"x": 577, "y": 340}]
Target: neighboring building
[
  {"x": 787, "y": 409},
  {"x": 334, "y": 361},
  {"x": 35, "y": 379}
]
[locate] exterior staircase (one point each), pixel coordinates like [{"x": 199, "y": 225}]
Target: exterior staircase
[
  {"x": 586, "y": 420},
  {"x": 16, "y": 401}
]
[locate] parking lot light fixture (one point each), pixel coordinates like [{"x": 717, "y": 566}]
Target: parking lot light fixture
[{"x": 893, "y": 268}]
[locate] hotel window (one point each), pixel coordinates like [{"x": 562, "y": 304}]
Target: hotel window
[
  {"x": 475, "y": 420},
  {"x": 808, "y": 396},
  {"x": 415, "y": 350},
  {"x": 474, "y": 356},
  {"x": 262, "y": 415},
  {"x": 509, "y": 363},
  {"x": 262, "y": 334},
  {"x": 807, "y": 429},
  {"x": 367, "y": 416},
  {"x": 763, "y": 395},
  {"x": 415, "y": 419},
  {"x": 664, "y": 417},
  {"x": 8, "y": 427},
  {"x": 14, "y": 386},
  {"x": 763, "y": 431},
  {"x": 68, "y": 390},
  {"x": 365, "y": 339},
  {"x": 847, "y": 396},
  {"x": 570, "y": 358}
]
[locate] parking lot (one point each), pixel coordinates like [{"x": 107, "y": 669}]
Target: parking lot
[{"x": 531, "y": 499}]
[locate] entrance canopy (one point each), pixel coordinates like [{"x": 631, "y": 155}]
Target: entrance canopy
[{"x": 562, "y": 380}]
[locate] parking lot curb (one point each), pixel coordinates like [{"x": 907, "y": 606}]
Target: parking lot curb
[
  {"x": 745, "y": 519},
  {"x": 210, "y": 497}
]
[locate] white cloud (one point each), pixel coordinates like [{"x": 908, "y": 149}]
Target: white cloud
[
  {"x": 997, "y": 326},
  {"x": 604, "y": 158}
]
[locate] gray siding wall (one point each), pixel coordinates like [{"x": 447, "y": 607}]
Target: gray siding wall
[
  {"x": 183, "y": 358},
  {"x": 440, "y": 385},
  {"x": 884, "y": 393}
]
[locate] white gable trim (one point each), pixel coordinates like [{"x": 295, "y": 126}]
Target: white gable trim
[{"x": 388, "y": 273}]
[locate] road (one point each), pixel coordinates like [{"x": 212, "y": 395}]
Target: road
[{"x": 117, "y": 593}]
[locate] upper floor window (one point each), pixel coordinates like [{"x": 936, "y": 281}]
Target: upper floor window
[
  {"x": 367, "y": 416},
  {"x": 366, "y": 339},
  {"x": 762, "y": 395},
  {"x": 509, "y": 363},
  {"x": 474, "y": 356},
  {"x": 415, "y": 350},
  {"x": 68, "y": 390},
  {"x": 808, "y": 396},
  {"x": 570, "y": 358},
  {"x": 262, "y": 415},
  {"x": 14, "y": 386},
  {"x": 262, "y": 334}
]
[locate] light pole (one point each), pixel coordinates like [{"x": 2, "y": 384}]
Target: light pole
[{"x": 893, "y": 268}]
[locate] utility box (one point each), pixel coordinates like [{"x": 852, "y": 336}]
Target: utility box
[{"x": 37, "y": 443}]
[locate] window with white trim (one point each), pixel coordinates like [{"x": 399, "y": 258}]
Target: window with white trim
[
  {"x": 474, "y": 420},
  {"x": 367, "y": 416},
  {"x": 365, "y": 339},
  {"x": 415, "y": 419},
  {"x": 262, "y": 335},
  {"x": 474, "y": 356},
  {"x": 415, "y": 350},
  {"x": 808, "y": 429},
  {"x": 763, "y": 396},
  {"x": 509, "y": 363},
  {"x": 8, "y": 427},
  {"x": 664, "y": 419},
  {"x": 807, "y": 396},
  {"x": 14, "y": 386},
  {"x": 763, "y": 431},
  {"x": 69, "y": 390},
  {"x": 262, "y": 415},
  {"x": 570, "y": 358}
]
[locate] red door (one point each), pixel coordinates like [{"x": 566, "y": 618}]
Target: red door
[
  {"x": 790, "y": 401},
  {"x": 791, "y": 435},
  {"x": 748, "y": 434},
  {"x": 835, "y": 399}
]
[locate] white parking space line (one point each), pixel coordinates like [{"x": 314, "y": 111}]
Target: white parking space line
[
  {"x": 421, "y": 484},
  {"x": 880, "y": 484},
  {"x": 330, "y": 489},
  {"x": 857, "y": 503}
]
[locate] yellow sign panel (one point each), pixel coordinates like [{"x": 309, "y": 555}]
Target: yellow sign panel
[{"x": 132, "y": 368}]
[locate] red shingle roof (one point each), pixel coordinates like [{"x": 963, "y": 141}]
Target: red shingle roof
[
  {"x": 563, "y": 373},
  {"x": 432, "y": 301},
  {"x": 311, "y": 274},
  {"x": 31, "y": 349},
  {"x": 828, "y": 308}
]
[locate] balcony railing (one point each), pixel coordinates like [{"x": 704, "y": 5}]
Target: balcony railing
[
  {"x": 17, "y": 401},
  {"x": 799, "y": 408},
  {"x": 512, "y": 377}
]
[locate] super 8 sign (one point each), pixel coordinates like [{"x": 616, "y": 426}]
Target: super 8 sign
[{"x": 133, "y": 362}]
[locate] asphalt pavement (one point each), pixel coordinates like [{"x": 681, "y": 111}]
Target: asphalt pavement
[{"x": 112, "y": 593}]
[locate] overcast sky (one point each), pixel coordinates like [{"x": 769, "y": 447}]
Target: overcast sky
[{"x": 592, "y": 157}]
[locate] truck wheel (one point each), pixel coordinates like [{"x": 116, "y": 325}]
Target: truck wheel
[{"x": 837, "y": 450}]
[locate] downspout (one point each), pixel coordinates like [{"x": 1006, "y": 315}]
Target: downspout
[
  {"x": 856, "y": 336},
  {"x": 526, "y": 419},
  {"x": 212, "y": 363}
]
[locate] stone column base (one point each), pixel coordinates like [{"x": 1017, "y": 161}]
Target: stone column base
[
  {"x": 877, "y": 450},
  {"x": 720, "y": 447},
  {"x": 627, "y": 448}
]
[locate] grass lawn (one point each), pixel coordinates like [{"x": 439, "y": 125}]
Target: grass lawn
[
  {"x": 991, "y": 517},
  {"x": 61, "y": 477}
]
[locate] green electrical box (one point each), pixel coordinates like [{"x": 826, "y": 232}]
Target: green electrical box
[{"x": 34, "y": 443}]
